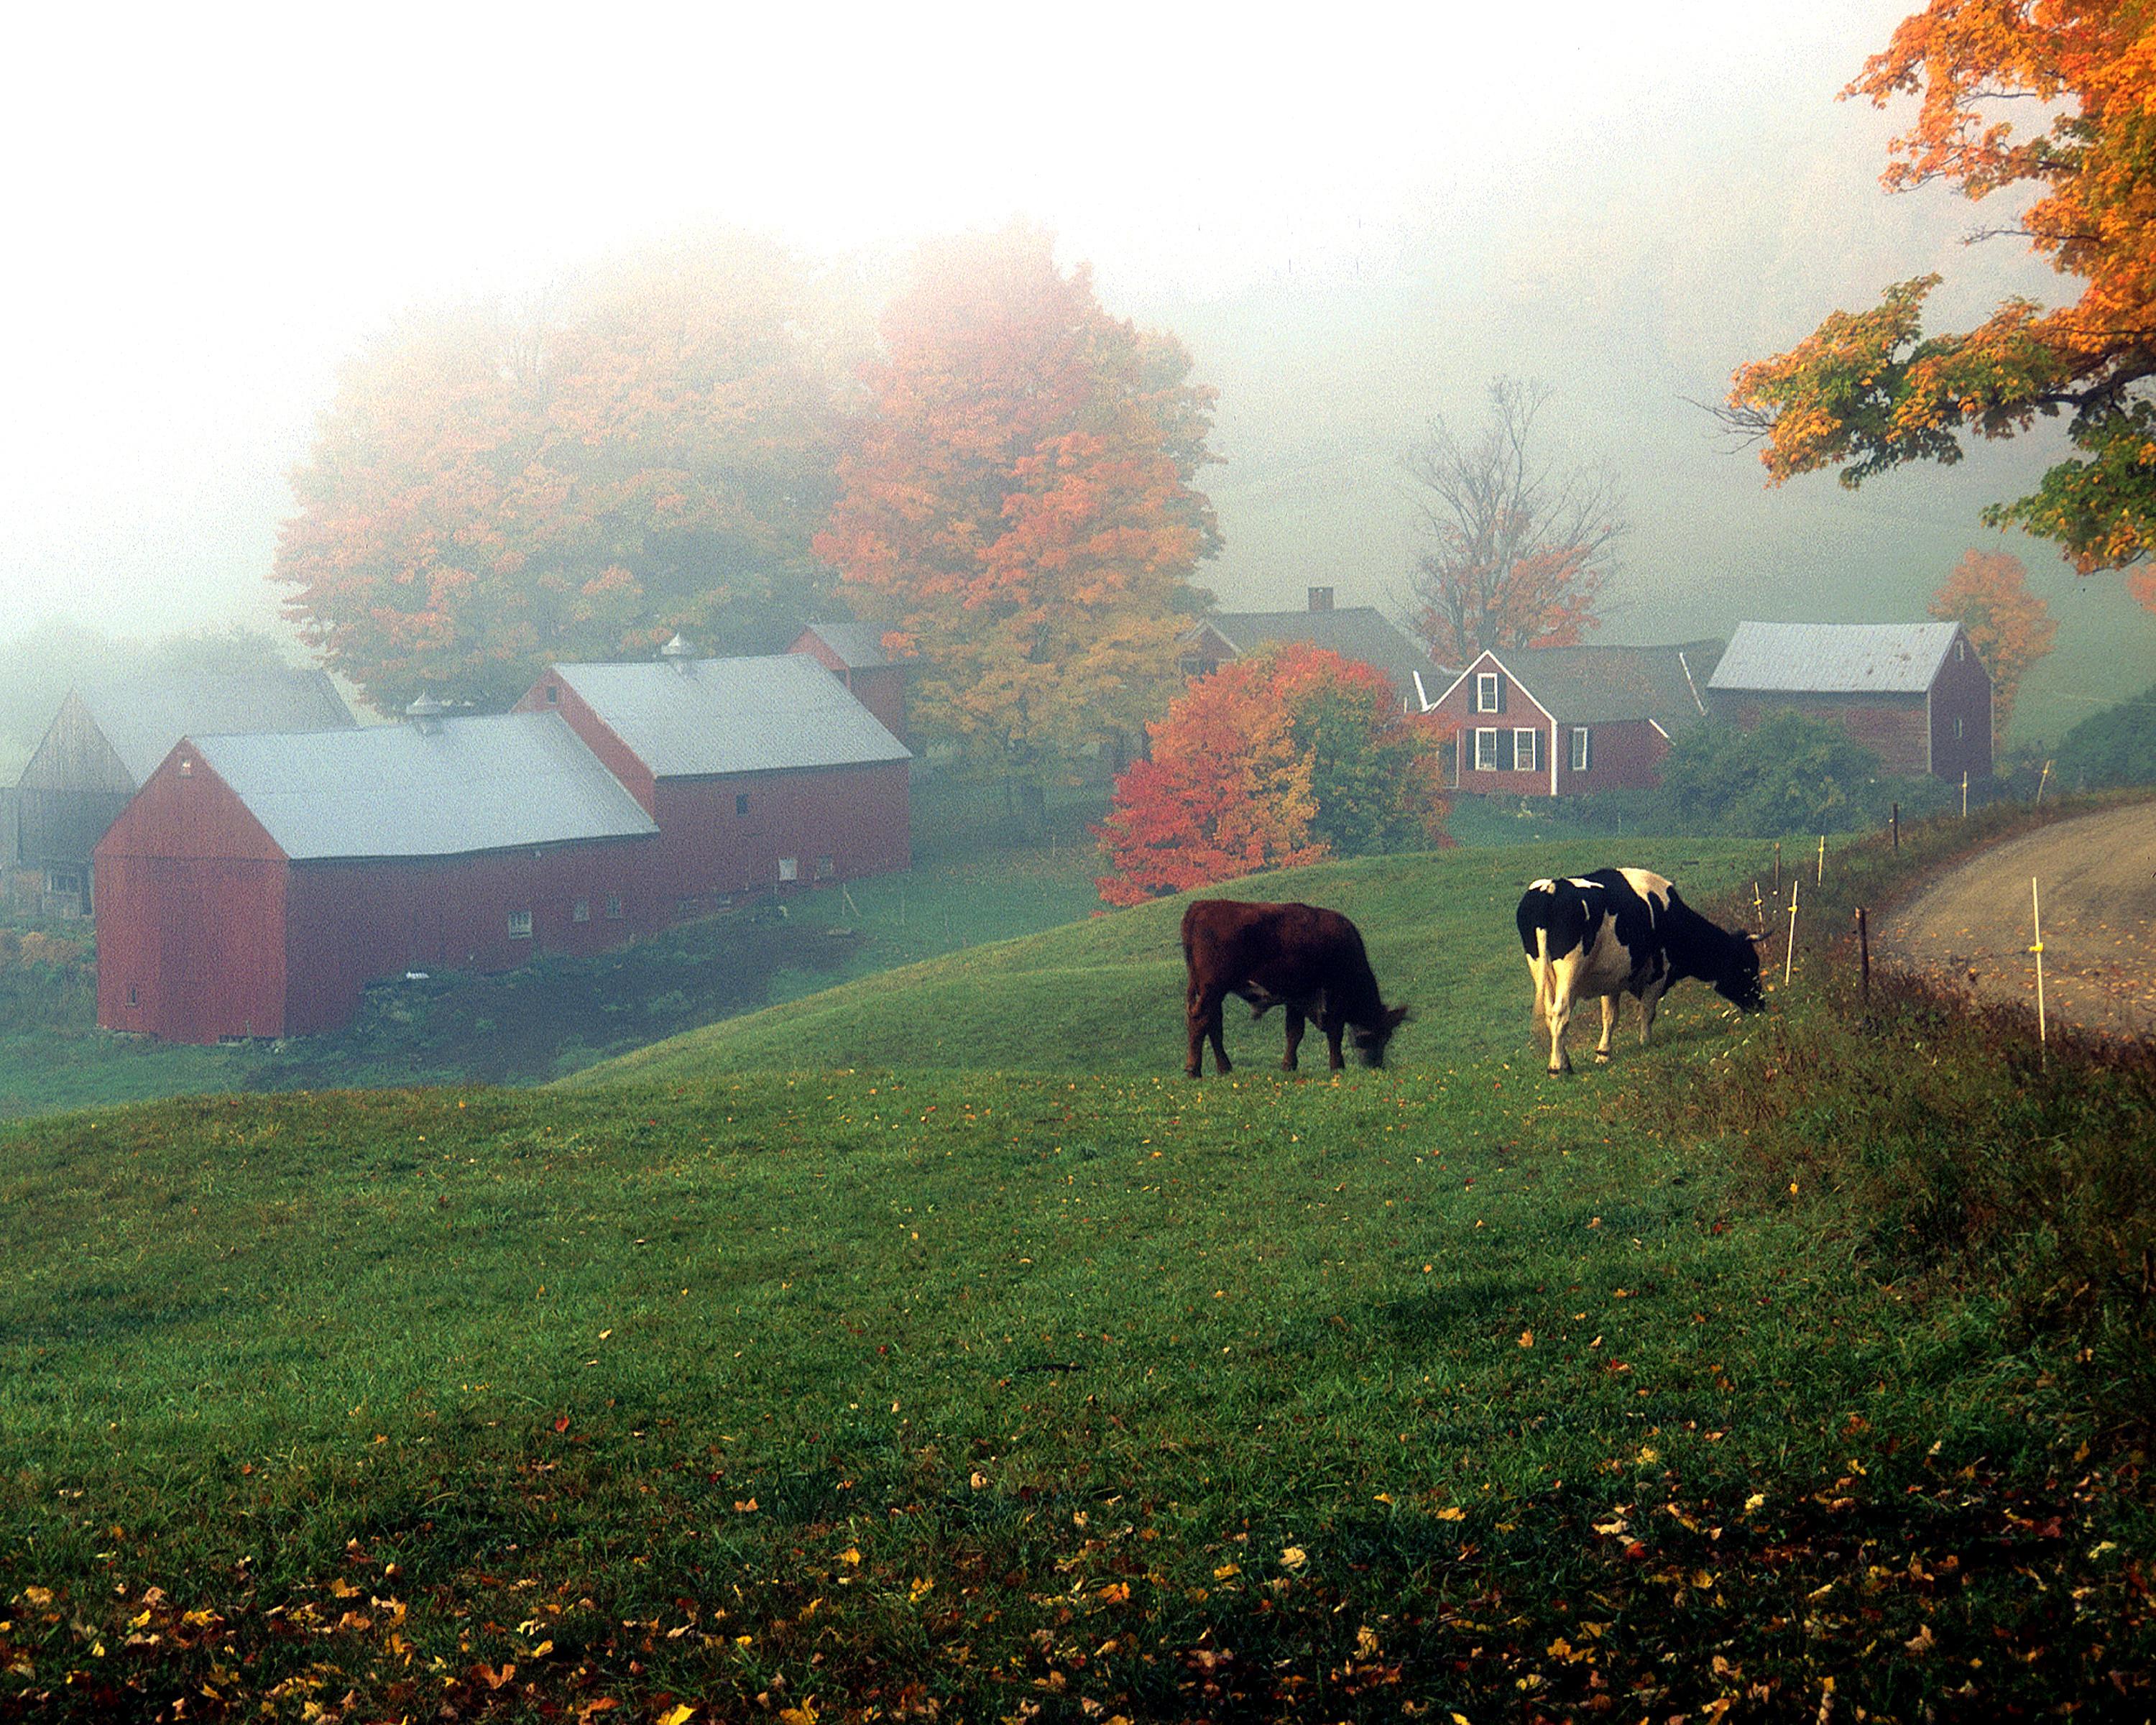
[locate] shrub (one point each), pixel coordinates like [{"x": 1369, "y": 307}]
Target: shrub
[
  {"x": 1787, "y": 774},
  {"x": 2116, "y": 747}
]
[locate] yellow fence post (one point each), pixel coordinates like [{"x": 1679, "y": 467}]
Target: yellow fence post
[
  {"x": 1819, "y": 880},
  {"x": 1789, "y": 956},
  {"x": 2036, "y": 922}
]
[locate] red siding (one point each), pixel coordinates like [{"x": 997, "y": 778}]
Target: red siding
[
  {"x": 190, "y": 906},
  {"x": 1891, "y": 726},
  {"x": 550, "y": 695},
  {"x": 879, "y": 688},
  {"x": 1518, "y": 713},
  {"x": 859, "y": 817},
  {"x": 1623, "y": 756},
  {"x": 1962, "y": 690}
]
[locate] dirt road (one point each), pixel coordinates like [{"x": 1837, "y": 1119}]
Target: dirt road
[{"x": 2098, "y": 876}]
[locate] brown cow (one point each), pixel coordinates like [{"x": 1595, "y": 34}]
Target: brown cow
[{"x": 1309, "y": 960}]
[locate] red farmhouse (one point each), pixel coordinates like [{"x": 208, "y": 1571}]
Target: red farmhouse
[
  {"x": 1915, "y": 694},
  {"x": 1559, "y": 722},
  {"x": 853, "y": 653},
  {"x": 759, "y": 772},
  {"x": 255, "y": 883}
]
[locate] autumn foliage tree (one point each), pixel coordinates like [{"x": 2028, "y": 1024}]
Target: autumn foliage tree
[
  {"x": 651, "y": 452},
  {"x": 1517, "y": 545},
  {"x": 1287, "y": 757},
  {"x": 1870, "y": 390},
  {"x": 2010, "y": 627},
  {"x": 1019, "y": 510}
]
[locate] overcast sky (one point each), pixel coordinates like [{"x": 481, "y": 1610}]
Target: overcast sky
[{"x": 1354, "y": 221}]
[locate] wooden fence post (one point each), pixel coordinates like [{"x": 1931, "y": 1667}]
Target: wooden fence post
[
  {"x": 1864, "y": 951},
  {"x": 1894, "y": 825},
  {"x": 1778, "y": 868}
]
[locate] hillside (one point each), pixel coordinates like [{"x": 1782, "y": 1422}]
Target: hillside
[
  {"x": 983, "y": 1395},
  {"x": 1106, "y": 995}
]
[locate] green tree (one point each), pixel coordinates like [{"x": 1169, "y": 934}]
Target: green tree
[{"x": 1789, "y": 773}]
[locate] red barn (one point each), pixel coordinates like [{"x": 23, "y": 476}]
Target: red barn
[
  {"x": 255, "y": 883},
  {"x": 759, "y": 772},
  {"x": 1559, "y": 722},
  {"x": 1915, "y": 694},
  {"x": 853, "y": 653}
]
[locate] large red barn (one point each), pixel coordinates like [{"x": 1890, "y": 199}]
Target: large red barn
[
  {"x": 255, "y": 883},
  {"x": 759, "y": 772}
]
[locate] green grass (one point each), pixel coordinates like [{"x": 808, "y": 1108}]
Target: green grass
[
  {"x": 984, "y": 1394},
  {"x": 1106, "y": 995}
]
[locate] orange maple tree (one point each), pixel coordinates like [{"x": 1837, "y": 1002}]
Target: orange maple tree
[
  {"x": 1288, "y": 755},
  {"x": 487, "y": 492},
  {"x": 2010, "y": 627},
  {"x": 1516, "y": 546},
  {"x": 1870, "y": 390},
  {"x": 1020, "y": 508}
]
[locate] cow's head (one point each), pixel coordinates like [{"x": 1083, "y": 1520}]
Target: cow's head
[
  {"x": 1370, "y": 1039},
  {"x": 1737, "y": 978}
]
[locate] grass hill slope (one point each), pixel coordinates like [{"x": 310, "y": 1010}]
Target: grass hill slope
[{"x": 1106, "y": 995}]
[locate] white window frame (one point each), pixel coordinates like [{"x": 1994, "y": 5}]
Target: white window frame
[
  {"x": 613, "y": 910},
  {"x": 827, "y": 867},
  {"x": 580, "y": 910},
  {"x": 1534, "y": 752},
  {"x": 789, "y": 868},
  {"x": 1580, "y": 756},
  {"x": 520, "y": 924},
  {"x": 1485, "y": 692},
  {"x": 1485, "y": 751}
]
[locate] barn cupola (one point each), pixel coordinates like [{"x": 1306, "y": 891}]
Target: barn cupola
[
  {"x": 676, "y": 653},
  {"x": 426, "y": 715},
  {"x": 1321, "y": 599}
]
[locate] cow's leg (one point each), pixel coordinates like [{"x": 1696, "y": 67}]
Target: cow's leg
[
  {"x": 1295, "y": 1023},
  {"x": 1333, "y": 1026},
  {"x": 1557, "y": 1016},
  {"x": 1202, "y": 1009},
  {"x": 1609, "y": 1025},
  {"x": 1650, "y": 1001}
]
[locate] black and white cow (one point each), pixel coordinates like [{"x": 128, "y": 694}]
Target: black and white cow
[{"x": 1625, "y": 931}]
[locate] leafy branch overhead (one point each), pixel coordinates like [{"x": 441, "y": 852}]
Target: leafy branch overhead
[{"x": 1868, "y": 390}]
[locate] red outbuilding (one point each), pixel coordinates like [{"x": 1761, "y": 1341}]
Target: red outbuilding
[
  {"x": 1916, "y": 694},
  {"x": 853, "y": 653},
  {"x": 256, "y": 884},
  {"x": 1559, "y": 722},
  {"x": 759, "y": 772}
]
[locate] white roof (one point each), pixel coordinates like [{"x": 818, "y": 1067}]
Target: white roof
[
  {"x": 464, "y": 785},
  {"x": 1835, "y": 658},
  {"x": 695, "y": 718}
]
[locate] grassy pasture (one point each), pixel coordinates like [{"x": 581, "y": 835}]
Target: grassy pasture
[{"x": 1061, "y": 1394}]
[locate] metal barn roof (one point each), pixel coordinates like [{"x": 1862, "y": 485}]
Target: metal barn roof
[
  {"x": 1835, "y": 658},
  {"x": 143, "y": 716},
  {"x": 696, "y": 717},
  {"x": 1360, "y": 632},
  {"x": 462, "y": 785},
  {"x": 860, "y": 644},
  {"x": 1608, "y": 685}
]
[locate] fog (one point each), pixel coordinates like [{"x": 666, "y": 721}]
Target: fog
[{"x": 1353, "y": 223}]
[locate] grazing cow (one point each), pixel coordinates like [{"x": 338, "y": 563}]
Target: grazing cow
[
  {"x": 1625, "y": 931},
  {"x": 1309, "y": 960}
]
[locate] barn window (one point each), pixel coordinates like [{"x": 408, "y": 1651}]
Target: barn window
[
  {"x": 614, "y": 907},
  {"x": 1956, "y": 730},
  {"x": 1487, "y": 695},
  {"x": 789, "y": 868},
  {"x": 1527, "y": 753},
  {"x": 741, "y": 804},
  {"x": 581, "y": 911},
  {"x": 1486, "y": 752},
  {"x": 1579, "y": 754},
  {"x": 520, "y": 924},
  {"x": 553, "y": 696},
  {"x": 186, "y": 768},
  {"x": 1961, "y": 651},
  {"x": 827, "y": 867},
  {"x": 134, "y": 998}
]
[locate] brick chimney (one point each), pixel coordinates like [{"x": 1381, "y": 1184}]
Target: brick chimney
[{"x": 1321, "y": 599}]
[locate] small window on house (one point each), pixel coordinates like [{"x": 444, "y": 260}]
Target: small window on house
[
  {"x": 741, "y": 804},
  {"x": 520, "y": 924},
  {"x": 553, "y": 695},
  {"x": 134, "y": 998},
  {"x": 581, "y": 911},
  {"x": 789, "y": 868},
  {"x": 1956, "y": 730},
  {"x": 1527, "y": 755},
  {"x": 1486, "y": 752},
  {"x": 1961, "y": 651},
  {"x": 1485, "y": 692},
  {"x": 186, "y": 768},
  {"x": 827, "y": 867},
  {"x": 1579, "y": 756},
  {"x": 614, "y": 907}
]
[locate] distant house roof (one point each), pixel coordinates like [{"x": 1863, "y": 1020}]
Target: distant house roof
[
  {"x": 493, "y": 783},
  {"x": 859, "y": 645},
  {"x": 1835, "y": 658},
  {"x": 1358, "y": 632},
  {"x": 695, "y": 717},
  {"x": 143, "y": 716},
  {"x": 1607, "y": 685}
]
